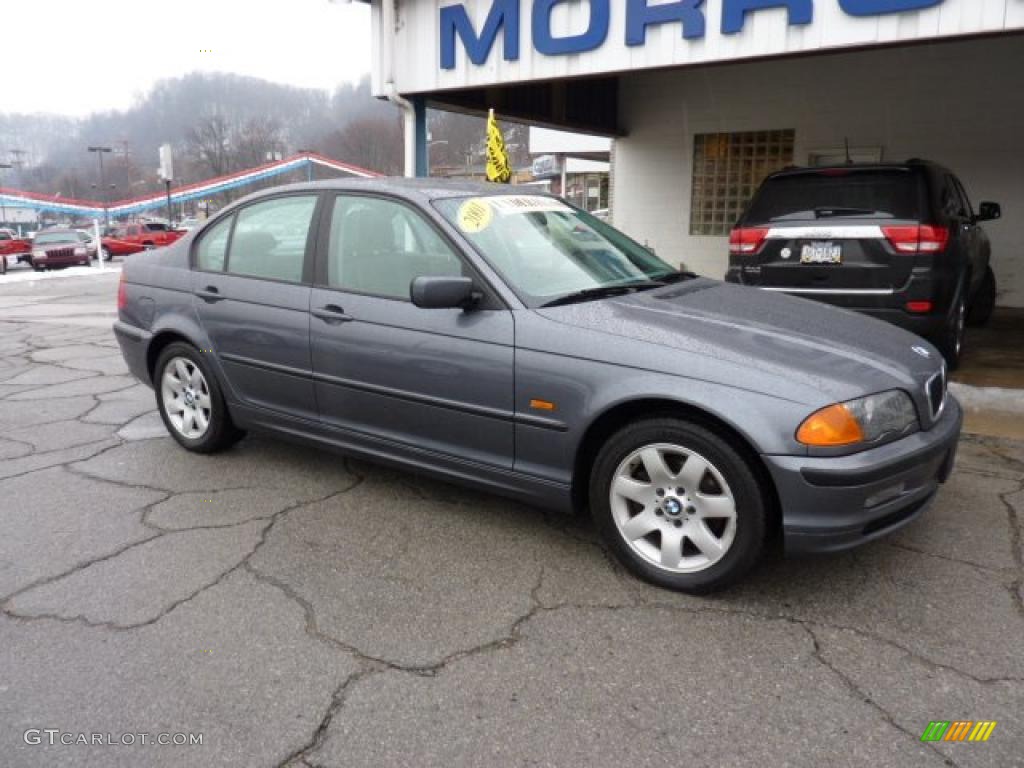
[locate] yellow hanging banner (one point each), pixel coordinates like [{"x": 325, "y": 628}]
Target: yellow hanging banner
[{"x": 499, "y": 169}]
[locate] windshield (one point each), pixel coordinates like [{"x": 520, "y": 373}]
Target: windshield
[
  {"x": 546, "y": 249},
  {"x": 49, "y": 238}
]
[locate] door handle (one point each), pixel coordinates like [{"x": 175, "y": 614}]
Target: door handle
[
  {"x": 331, "y": 314},
  {"x": 210, "y": 294}
]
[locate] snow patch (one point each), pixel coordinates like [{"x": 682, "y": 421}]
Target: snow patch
[
  {"x": 29, "y": 275},
  {"x": 988, "y": 398}
]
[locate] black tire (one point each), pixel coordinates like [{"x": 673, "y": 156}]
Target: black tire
[
  {"x": 951, "y": 342},
  {"x": 984, "y": 303},
  {"x": 3, "y": 265},
  {"x": 748, "y": 541},
  {"x": 221, "y": 433}
]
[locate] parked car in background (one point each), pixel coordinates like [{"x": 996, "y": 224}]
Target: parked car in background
[
  {"x": 124, "y": 239},
  {"x": 53, "y": 248},
  {"x": 12, "y": 245},
  {"x": 899, "y": 241},
  {"x": 519, "y": 345}
]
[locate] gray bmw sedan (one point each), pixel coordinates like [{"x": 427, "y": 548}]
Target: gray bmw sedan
[{"x": 511, "y": 342}]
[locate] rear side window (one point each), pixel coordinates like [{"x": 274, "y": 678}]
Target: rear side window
[
  {"x": 891, "y": 194},
  {"x": 213, "y": 248},
  {"x": 270, "y": 238}
]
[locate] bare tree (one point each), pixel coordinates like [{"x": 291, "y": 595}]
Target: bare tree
[
  {"x": 210, "y": 141},
  {"x": 254, "y": 138},
  {"x": 371, "y": 142}
]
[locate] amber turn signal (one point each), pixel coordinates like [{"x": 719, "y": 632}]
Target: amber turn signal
[{"x": 831, "y": 426}]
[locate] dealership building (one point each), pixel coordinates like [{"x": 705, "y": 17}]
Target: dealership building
[{"x": 706, "y": 97}]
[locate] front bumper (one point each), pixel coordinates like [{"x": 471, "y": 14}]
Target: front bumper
[
  {"x": 60, "y": 261},
  {"x": 832, "y": 504}
]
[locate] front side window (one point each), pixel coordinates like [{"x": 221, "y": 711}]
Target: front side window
[
  {"x": 379, "y": 247},
  {"x": 546, "y": 249},
  {"x": 269, "y": 240},
  {"x": 213, "y": 247}
]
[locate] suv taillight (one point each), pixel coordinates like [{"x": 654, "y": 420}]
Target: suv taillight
[
  {"x": 918, "y": 239},
  {"x": 747, "y": 241},
  {"x": 122, "y": 294}
]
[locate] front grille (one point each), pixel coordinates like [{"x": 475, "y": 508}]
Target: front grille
[
  {"x": 935, "y": 388},
  {"x": 60, "y": 253}
]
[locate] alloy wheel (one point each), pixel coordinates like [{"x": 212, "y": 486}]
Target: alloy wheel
[
  {"x": 186, "y": 398},
  {"x": 673, "y": 508}
]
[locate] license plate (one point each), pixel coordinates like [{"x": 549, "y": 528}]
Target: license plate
[{"x": 821, "y": 253}]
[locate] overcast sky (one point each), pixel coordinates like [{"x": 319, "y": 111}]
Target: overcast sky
[{"x": 116, "y": 49}]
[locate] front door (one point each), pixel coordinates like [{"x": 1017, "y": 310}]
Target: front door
[
  {"x": 435, "y": 380},
  {"x": 251, "y": 289}
]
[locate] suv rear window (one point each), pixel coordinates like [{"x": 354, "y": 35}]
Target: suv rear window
[{"x": 842, "y": 192}]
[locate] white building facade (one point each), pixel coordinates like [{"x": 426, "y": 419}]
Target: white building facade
[{"x": 705, "y": 97}]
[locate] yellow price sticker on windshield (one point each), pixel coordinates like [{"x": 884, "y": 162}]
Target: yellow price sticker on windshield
[{"x": 475, "y": 216}]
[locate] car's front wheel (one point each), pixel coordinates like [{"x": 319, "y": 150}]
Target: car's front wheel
[
  {"x": 191, "y": 402},
  {"x": 678, "y": 505}
]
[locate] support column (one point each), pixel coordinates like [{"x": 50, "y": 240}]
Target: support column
[{"x": 422, "y": 158}]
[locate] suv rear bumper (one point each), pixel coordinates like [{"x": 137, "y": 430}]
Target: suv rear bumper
[
  {"x": 832, "y": 504},
  {"x": 887, "y": 305}
]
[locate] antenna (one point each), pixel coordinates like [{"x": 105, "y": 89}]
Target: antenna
[{"x": 849, "y": 160}]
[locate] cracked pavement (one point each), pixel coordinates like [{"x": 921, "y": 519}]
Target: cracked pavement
[{"x": 300, "y": 609}]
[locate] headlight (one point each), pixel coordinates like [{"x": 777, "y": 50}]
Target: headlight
[
  {"x": 866, "y": 420},
  {"x": 80, "y": 251}
]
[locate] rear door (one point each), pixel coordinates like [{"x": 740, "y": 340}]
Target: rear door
[
  {"x": 251, "y": 288},
  {"x": 824, "y": 231}
]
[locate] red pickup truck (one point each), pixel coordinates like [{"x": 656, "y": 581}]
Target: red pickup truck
[
  {"x": 126, "y": 239},
  {"x": 12, "y": 245}
]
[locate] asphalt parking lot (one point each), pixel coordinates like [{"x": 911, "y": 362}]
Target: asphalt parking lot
[{"x": 300, "y": 609}]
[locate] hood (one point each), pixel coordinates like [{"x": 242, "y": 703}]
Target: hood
[{"x": 748, "y": 332}]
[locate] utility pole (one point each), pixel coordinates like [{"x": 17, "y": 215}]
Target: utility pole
[
  {"x": 100, "y": 151},
  {"x": 309, "y": 163},
  {"x": 3, "y": 204}
]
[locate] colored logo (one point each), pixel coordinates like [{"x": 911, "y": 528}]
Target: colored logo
[{"x": 958, "y": 730}]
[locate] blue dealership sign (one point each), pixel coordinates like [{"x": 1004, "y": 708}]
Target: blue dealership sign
[{"x": 690, "y": 15}]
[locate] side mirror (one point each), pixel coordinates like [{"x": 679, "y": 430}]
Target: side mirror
[
  {"x": 989, "y": 212},
  {"x": 443, "y": 292}
]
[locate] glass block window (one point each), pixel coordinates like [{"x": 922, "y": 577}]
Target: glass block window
[{"x": 727, "y": 169}]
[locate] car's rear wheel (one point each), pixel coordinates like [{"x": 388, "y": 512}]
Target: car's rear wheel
[
  {"x": 985, "y": 300},
  {"x": 678, "y": 505},
  {"x": 951, "y": 343},
  {"x": 190, "y": 401}
]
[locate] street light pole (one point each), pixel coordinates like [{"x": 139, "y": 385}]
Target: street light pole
[
  {"x": 100, "y": 151},
  {"x": 3, "y": 205},
  {"x": 309, "y": 163}
]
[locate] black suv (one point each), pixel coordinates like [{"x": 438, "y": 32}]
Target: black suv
[{"x": 898, "y": 241}]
